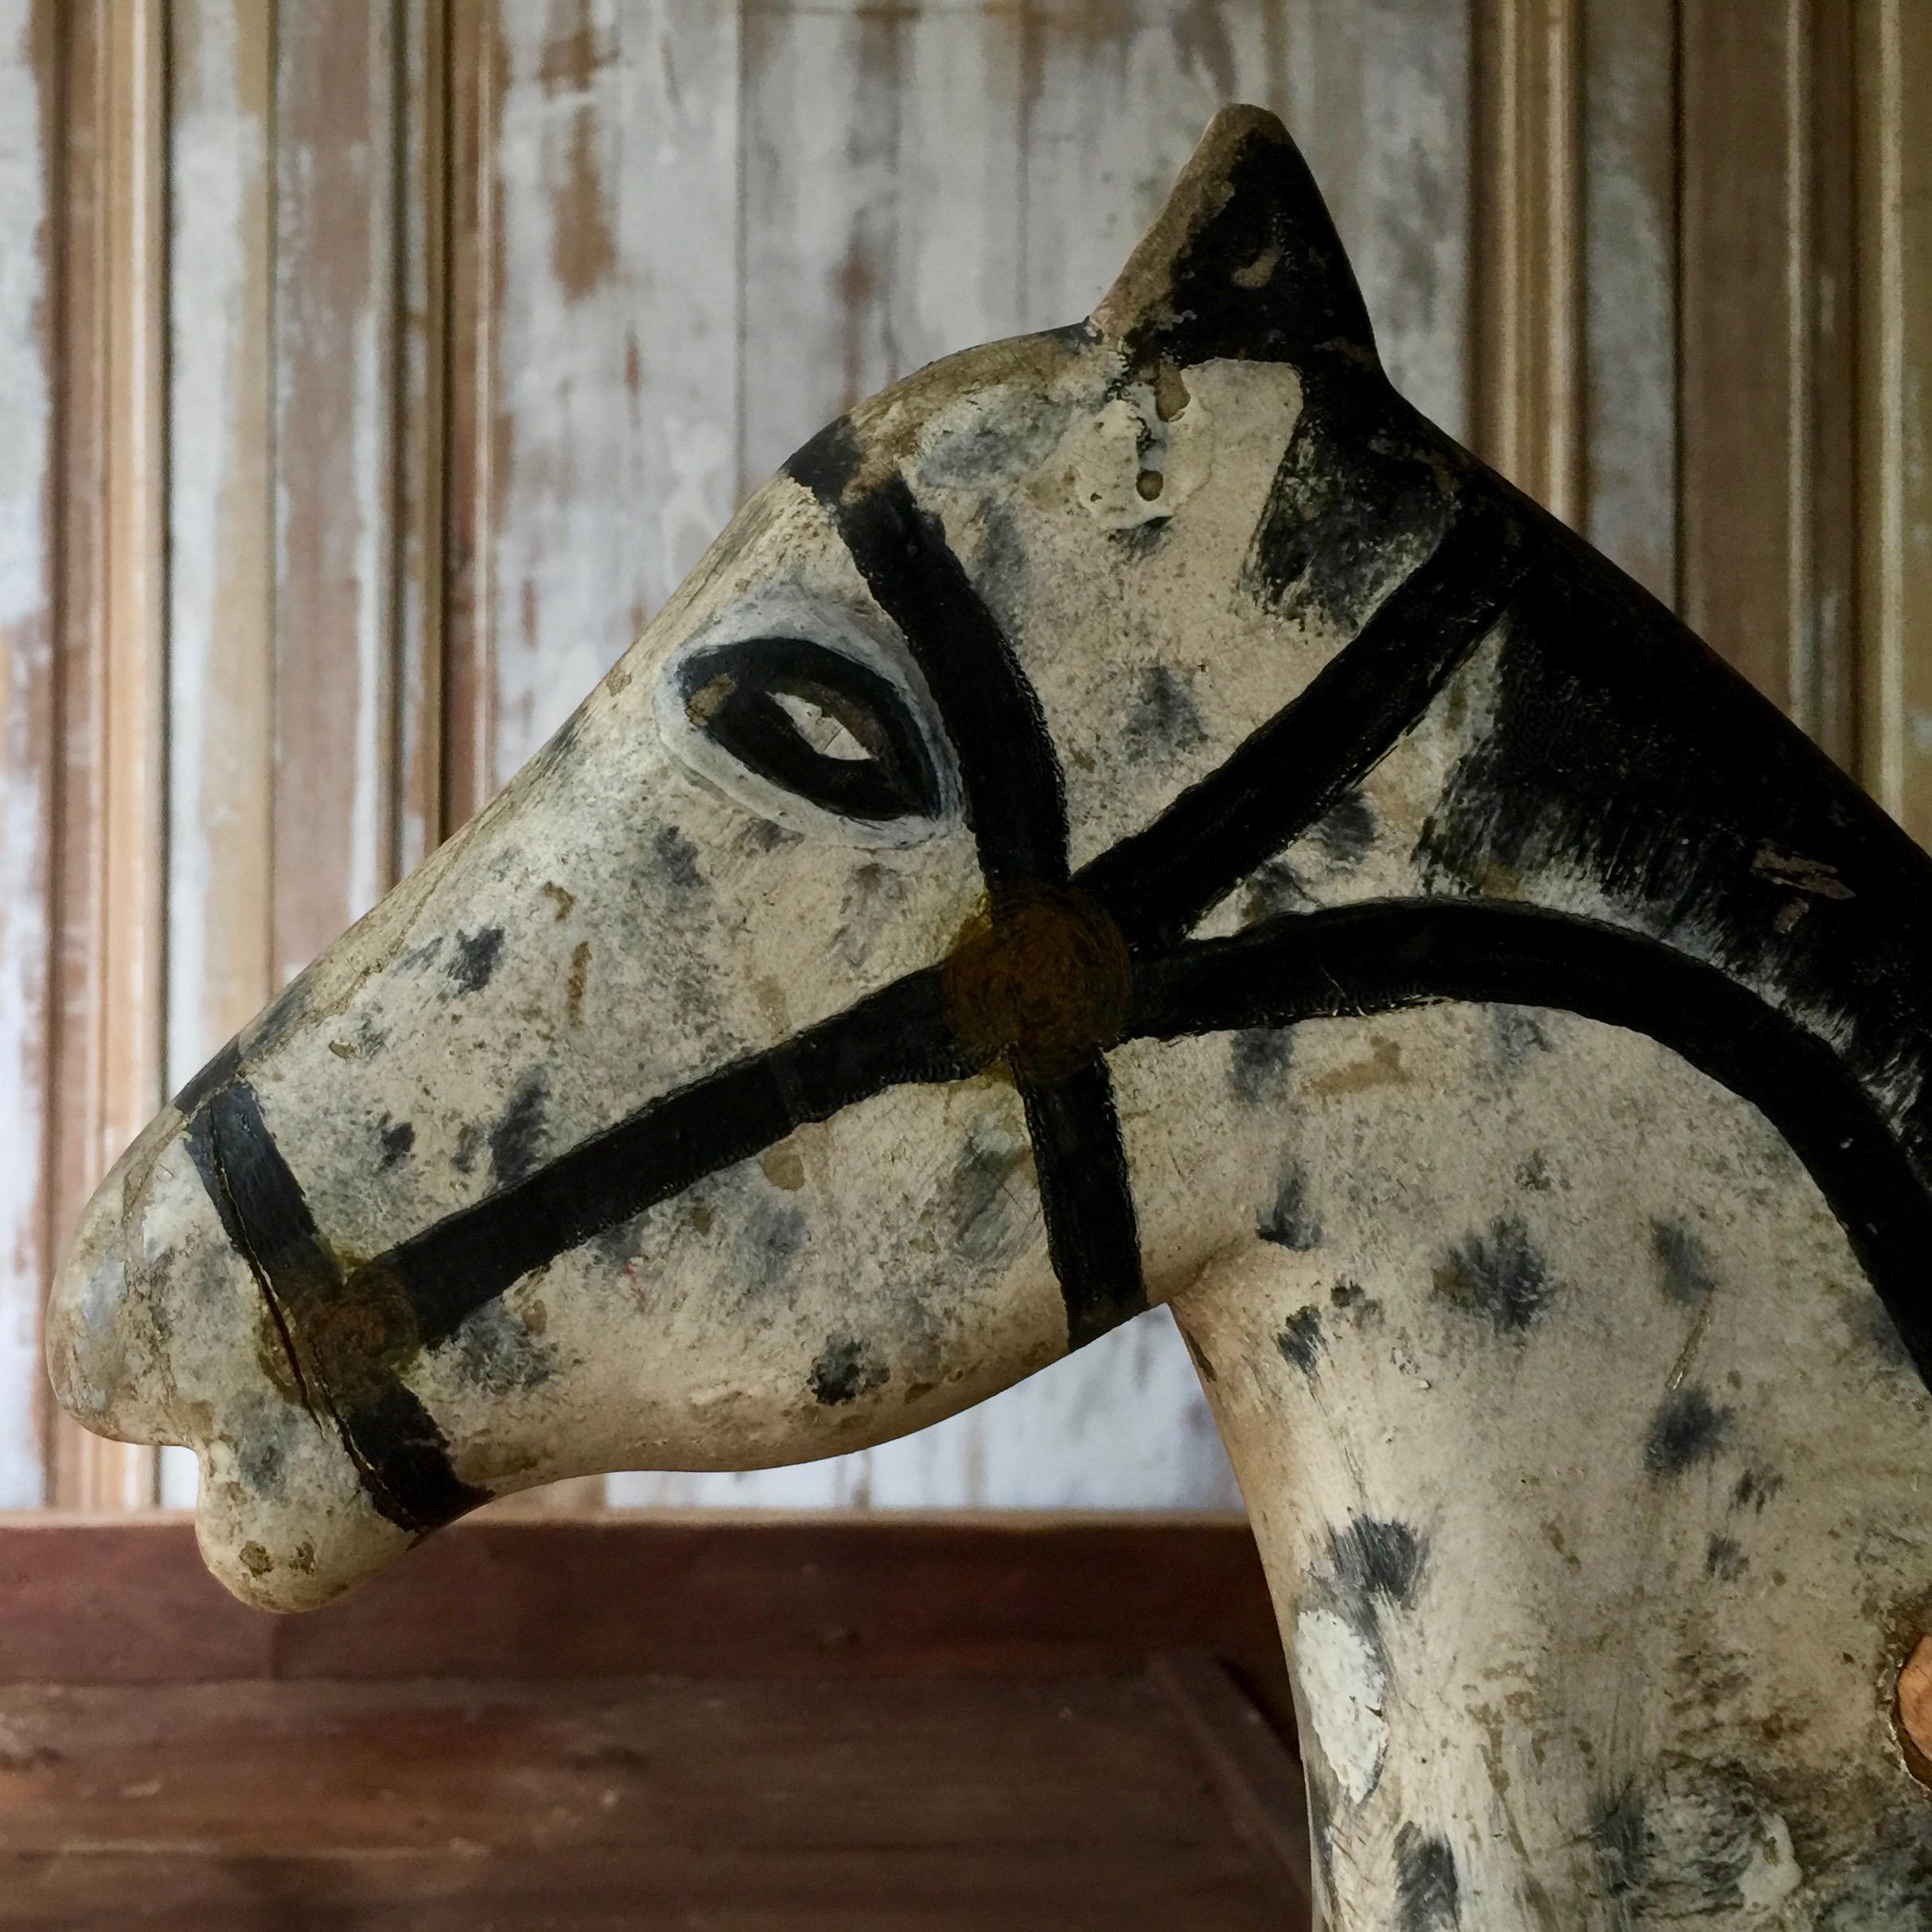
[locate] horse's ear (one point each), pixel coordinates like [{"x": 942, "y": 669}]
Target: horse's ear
[{"x": 1241, "y": 261}]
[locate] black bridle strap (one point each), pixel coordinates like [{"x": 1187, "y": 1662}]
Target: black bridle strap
[
  {"x": 1016, "y": 804},
  {"x": 1384, "y": 956},
  {"x": 1282, "y": 778}
]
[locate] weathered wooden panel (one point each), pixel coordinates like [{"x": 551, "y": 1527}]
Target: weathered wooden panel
[
  {"x": 107, "y": 1063},
  {"x": 221, "y": 588},
  {"x": 1894, "y": 491},
  {"x": 613, "y": 336},
  {"x": 1378, "y": 95},
  {"x": 336, "y": 287},
  {"x": 1527, "y": 339},
  {"x": 1628, "y": 162},
  {"x": 30, "y": 294},
  {"x": 1767, "y": 399}
]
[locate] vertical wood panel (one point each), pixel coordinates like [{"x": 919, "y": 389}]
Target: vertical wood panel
[
  {"x": 1379, "y": 98},
  {"x": 221, "y": 513},
  {"x": 1767, "y": 351},
  {"x": 469, "y": 257},
  {"x": 1895, "y": 323},
  {"x": 29, "y": 294},
  {"x": 335, "y": 492},
  {"x": 1628, "y": 166},
  {"x": 614, "y": 335},
  {"x": 1528, "y": 343},
  {"x": 421, "y": 428},
  {"x": 1115, "y": 98},
  {"x": 108, "y": 1054}
]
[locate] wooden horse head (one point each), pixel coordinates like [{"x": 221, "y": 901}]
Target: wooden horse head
[{"x": 1134, "y": 814}]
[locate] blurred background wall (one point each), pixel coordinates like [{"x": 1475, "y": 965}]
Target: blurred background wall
[{"x": 372, "y": 370}]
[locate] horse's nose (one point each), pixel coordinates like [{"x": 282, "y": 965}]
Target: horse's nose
[{"x": 98, "y": 1335}]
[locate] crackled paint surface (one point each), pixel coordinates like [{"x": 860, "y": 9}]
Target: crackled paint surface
[{"x": 1136, "y": 815}]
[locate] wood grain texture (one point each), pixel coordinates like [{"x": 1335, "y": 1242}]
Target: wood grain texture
[
  {"x": 1527, "y": 143},
  {"x": 335, "y": 490},
  {"x": 960, "y": 1806},
  {"x": 107, "y": 1061},
  {"x": 1379, "y": 98},
  {"x": 1768, "y": 348},
  {"x": 1627, "y": 161},
  {"x": 127, "y": 1601},
  {"x": 30, "y": 562},
  {"x": 1893, "y": 231}
]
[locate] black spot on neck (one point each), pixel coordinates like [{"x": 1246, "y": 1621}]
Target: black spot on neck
[
  {"x": 1301, "y": 1341},
  {"x": 1291, "y": 1222},
  {"x": 1498, "y": 1276},
  {"x": 398, "y": 1140},
  {"x": 1723, "y": 1560},
  {"x": 1259, "y": 1063},
  {"x": 1621, "y": 1843},
  {"x": 1688, "y": 1428},
  {"x": 1684, "y": 1267},
  {"x": 674, "y": 859},
  {"x": 844, "y": 1371},
  {"x": 1164, "y": 720},
  {"x": 1428, "y": 1898},
  {"x": 475, "y": 959},
  {"x": 1347, "y": 830},
  {"x": 1379, "y": 1559},
  {"x": 516, "y": 1140}
]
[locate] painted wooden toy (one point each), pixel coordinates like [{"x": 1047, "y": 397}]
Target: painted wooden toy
[{"x": 1131, "y": 815}]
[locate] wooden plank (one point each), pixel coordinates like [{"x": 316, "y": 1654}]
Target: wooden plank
[
  {"x": 469, "y": 251},
  {"x": 612, "y": 335},
  {"x": 221, "y": 592},
  {"x": 29, "y": 298},
  {"x": 1064, "y": 1803},
  {"x": 423, "y": 345},
  {"x": 1259, "y": 1778},
  {"x": 1894, "y": 231},
  {"x": 107, "y": 1057},
  {"x": 1767, "y": 351},
  {"x": 126, "y": 1600},
  {"x": 220, "y": 524},
  {"x": 335, "y": 490},
  {"x": 1527, "y": 142},
  {"x": 1629, "y": 318},
  {"x": 1379, "y": 98},
  {"x": 1114, "y": 99}
]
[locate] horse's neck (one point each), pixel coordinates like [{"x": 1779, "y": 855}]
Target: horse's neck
[{"x": 1587, "y": 1472}]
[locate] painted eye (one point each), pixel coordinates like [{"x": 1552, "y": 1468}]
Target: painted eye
[{"x": 805, "y": 733}]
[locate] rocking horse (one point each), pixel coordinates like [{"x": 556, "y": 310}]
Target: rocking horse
[{"x": 1136, "y": 815}]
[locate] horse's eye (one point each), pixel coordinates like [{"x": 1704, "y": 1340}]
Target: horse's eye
[{"x": 814, "y": 723}]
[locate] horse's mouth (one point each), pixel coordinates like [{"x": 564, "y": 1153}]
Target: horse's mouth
[{"x": 157, "y": 1332}]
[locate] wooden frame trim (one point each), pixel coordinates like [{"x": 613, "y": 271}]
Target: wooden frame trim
[
  {"x": 111, "y": 821},
  {"x": 1527, "y": 191}
]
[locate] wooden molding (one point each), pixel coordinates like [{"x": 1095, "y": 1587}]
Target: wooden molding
[
  {"x": 471, "y": 119},
  {"x": 107, "y": 1062},
  {"x": 1528, "y": 200},
  {"x": 1893, "y": 484}
]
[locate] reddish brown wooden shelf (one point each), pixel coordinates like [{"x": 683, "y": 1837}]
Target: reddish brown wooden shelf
[{"x": 687, "y": 1723}]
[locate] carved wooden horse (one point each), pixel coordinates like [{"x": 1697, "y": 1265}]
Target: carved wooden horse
[{"x": 1134, "y": 814}]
